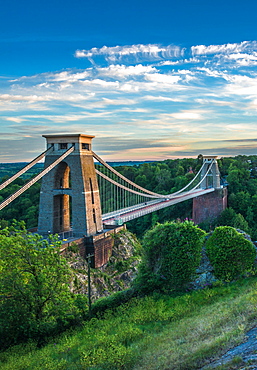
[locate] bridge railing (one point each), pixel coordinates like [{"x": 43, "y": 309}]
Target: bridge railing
[
  {"x": 132, "y": 208},
  {"x": 66, "y": 235}
]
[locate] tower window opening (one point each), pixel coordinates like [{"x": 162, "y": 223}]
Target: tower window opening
[
  {"x": 94, "y": 218},
  {"x": 85, "y": 146},
  {"x": 92, "y": 191},
  {"x": 63, "y": 146},
  {"x": 61, "y": 212}
]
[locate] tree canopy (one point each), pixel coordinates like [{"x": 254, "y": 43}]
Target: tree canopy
[{"x": 34, "y": 286}]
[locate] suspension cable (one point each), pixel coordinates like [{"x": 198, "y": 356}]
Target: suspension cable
[
  {"x": 126, "y": 188},
  {"x": 35, "y": 179},
  {"x": 204, "y": 175},
  {"x": 179, "y": 191},
  {"x": 122, "y": 177},
  {"x": 25, "y": 169},
  {"x": 153, "y": 195}
]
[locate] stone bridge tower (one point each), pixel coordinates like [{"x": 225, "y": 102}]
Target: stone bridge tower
[
  {"x": 69, "y": 192},
  {"x": 206, "y": 208},
  {"x": 214, "y": 172}
]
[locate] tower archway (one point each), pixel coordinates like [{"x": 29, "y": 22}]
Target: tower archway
[{"x": 62, "y": 206}]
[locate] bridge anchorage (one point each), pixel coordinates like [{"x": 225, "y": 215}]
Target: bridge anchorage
[{"x": 85, "y": 202}]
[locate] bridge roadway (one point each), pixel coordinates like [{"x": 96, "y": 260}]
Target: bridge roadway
[{"x": 127, "y": 214}]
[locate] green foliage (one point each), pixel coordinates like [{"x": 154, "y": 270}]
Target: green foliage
[
  {"x": 230, "y": 253},
  {"x": 25, "y": 207},
  {"x": 237, "y": 178},
  {"x": 73, "y": 248},
  {"x": 148, "y": 333},
  {"x": 34, "y": 287},
  {"x": 115, "y": 300},
  {"x": 230, "y": 218},
  {"x": 240, "y": 202},
  {"x": 172, "y": 254}
]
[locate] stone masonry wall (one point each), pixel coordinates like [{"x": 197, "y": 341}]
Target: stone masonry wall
[{"x": 209, "y": 206}]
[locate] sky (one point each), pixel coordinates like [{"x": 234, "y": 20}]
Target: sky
[{"x": 151, "y": 80}]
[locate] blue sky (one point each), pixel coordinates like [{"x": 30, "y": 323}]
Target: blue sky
[{"x": 151, "y": 80}]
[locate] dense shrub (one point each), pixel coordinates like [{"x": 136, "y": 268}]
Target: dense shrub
[
  {"x": 230, "y": 218},
  {"x": 229, "y": 253},
  {"x": 172, "y": 254},
  {"x": 34, "y": 287},
  {"x": 113, "y": 301}
]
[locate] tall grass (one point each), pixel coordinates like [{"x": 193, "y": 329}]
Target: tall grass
[{"x": 157, "y": 332}]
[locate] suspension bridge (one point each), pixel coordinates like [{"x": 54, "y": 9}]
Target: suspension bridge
[{"x": 82, "y": 196}]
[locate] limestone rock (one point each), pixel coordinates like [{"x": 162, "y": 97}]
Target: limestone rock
[
  {"x": 116, "y": 275},
  {"x": 204, "y": 273}
]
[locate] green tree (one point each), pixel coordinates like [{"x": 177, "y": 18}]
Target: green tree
[
  {"x": 164, "y": 180},
  {"x": 254, "y": 204},
  {"x": 34, "y": 287},
  {"x": 180, "y": 171},
  {"x": 238, "y": 177},
  {"x": 252, "y": 186},
  {"x": 172, "y": 254},
  {"x": 240, "y": 202},
  {"x": 230, "y": 253},
  {"x": 141, "y": 180},
  {"x": 230, "y": 218}
]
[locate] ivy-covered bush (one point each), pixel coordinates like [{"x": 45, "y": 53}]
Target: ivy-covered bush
[
  {"x": 172, "y": 252},
  {"x": 230, "y": 253}
]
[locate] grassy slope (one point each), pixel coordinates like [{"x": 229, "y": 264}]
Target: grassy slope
[{"x": 150, "y": 333}]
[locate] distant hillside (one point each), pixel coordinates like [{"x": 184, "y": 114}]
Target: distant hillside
[
  {"x": 9, "y": 169},
  {"x": 129, "y": 163}
]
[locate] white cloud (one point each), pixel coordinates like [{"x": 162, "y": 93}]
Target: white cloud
[
  {"x": 15, "y": 119},
  {"x": 243, "y": 59},
  {"x": 239, "y": 127},
  {"x": 241, "y": 86},
  {"x": 6, "y": 99},
  {"x": 212, "y": 72},
  {"x": 70, "y": 77},
  {"x": 222, "y": 103},
  {"x": 17, "y": 98},
  {"x": 130, "y": 87},
  {"x": 101, "y": 83},
  {"x": 222, "y": 49},
  {"x": 62, "y": 118},
  {"x": 180, "y": 62},
  {"x": 120, "y": 50},
  {"x": 253, "y": 105},
  {"x": 144, "y": 90},
  {"x": 162, "y": 78},
  {"x": 161, "y": 98},
  {"x": 149, "y": 51},
  {"x": 106, "y": 102},
  {"x": 243, "y": 56},
  {"x": 122, "y": 71},
  {"x": 191, "y": 115}
]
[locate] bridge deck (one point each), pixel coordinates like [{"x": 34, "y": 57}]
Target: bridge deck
[{"x": 127, "y": 214}]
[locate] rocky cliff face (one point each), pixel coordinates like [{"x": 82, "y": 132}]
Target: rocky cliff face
[
  {"x": 116, "y": 275},
  {"x": 122, "y": 268}
]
